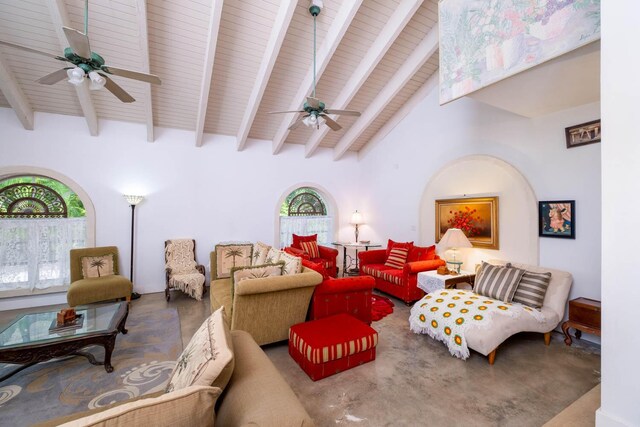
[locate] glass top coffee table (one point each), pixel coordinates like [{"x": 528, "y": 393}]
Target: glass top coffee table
[{"x": 27, "y": 340}]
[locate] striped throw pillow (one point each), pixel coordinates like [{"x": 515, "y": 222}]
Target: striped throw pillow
[
  {"x": 532, "y": 289},
  {"x": 498, "y": 282},
  {"x": 311, "y": 248},
  {"x": 397, "y": 258}
]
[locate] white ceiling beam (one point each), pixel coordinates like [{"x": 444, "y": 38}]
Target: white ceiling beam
[
  {"x": 424, "y": 90},
  {"x": 207, "y": 75},
  {"x": 400, "y": 18},
  {"x": 15, "y": 96},
  {"x": 60, "y": 18},
  {"x": 418, "y": 57},
  {"x": 334, "y": 35},
  {"x": 141, "y": 6},
  {"x": 278, "y": 32}
]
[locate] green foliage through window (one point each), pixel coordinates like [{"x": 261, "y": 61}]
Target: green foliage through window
[
  {"x": 303, "y": 201},
  {"x": 75, "y": 208}
]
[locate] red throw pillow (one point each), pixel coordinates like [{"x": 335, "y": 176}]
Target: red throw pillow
[
  {"x": 297, "y": 239},
  {"x": 311, "y": 248},
  {"x": 420, "y": 253},
  {"x": 316, "y": 266},
  {"x": 392, "y": 244},
  {"x": 397, "y": 258}
]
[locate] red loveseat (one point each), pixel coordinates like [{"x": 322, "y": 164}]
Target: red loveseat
[
  {"x": 327, "y": 258},
  {"x": 401, "y": 283}
]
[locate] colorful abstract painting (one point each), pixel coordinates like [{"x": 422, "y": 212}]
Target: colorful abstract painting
[{"x": 484, "y": 41}]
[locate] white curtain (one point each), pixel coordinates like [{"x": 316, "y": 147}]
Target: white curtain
[
  {"x": 34, "y": 253},
  {"x": 304, "y": 226}
]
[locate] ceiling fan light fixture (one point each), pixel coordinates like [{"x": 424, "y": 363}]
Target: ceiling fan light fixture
[
  {"x": 76, "y": 75},
  {"x": 97, "y": 81}
]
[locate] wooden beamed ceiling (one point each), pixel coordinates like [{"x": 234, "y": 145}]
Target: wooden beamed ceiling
[{"x": 225, "y": 63}]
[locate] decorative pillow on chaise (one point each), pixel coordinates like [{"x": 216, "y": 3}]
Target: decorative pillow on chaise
[
  {"x": 231, "y": 255},
  {"x": 532, "y": 289},
  {"x": 259, "y": 253},
  {"x": 498, "y": 282},
  {"x": 292, "y": 264},
  {"x": 397, "y": 257},
  {"x": 97, "y": 266},
  {"x": 208, "y": 358}
]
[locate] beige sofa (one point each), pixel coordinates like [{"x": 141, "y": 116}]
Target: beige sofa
[{"x": 265, "y": 307}]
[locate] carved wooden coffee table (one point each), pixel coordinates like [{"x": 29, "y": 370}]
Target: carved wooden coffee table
[{"x": 27, "y": 340}]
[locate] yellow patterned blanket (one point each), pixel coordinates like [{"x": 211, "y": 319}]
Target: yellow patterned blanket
[{"x": 445, "y": 316}]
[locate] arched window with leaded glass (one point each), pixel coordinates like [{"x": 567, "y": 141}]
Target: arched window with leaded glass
[
  {"x": 41, "y": 219},
  {"x": 305, "y": 211}
]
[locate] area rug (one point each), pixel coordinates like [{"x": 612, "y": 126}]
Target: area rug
[
  {"x": 143, "y": 359},
  {"x": 380, "y": 307}
]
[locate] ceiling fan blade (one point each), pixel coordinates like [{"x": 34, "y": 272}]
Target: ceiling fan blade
[
  {"x": 330, "y": 122},
  {"x": 279, "y": 112},
  {"x": 54, "y": 77},
  {"x": 149, "y": 78},
  {"x": 78, "y": 41},
  {"x": 343, "y": 112},
  {"x": 297, "y": 122},
  {"x": 120, "y": 93},
  {"x": 313, "y": 102},
  {"x": 28, "y": 49}
]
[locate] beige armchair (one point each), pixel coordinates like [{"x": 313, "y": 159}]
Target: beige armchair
[
  {"x": 95, "y": 276},
  {"x": 265, "y": 307}
]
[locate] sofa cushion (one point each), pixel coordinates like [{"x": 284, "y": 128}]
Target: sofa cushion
[
  {"x": 97, "y": 266},
  {"x": 374, "y": 270},
  {"x": 392, "y": 276},
  {"x": 498, "y": 282},
  {"x": 420, "y": 253},
  {"x": 273, "y": 256},
  {"x": 392, "y": 244},
  {"x": 208, "y": 358},
  {"x": 296, "y": 240},
  {"x": 532, "y": 289},
  {"x": 311, "y": 248},
  {"x": 188, "y": 406},
  {"x": 231, "y": 255},
  {"x": 397, "y": 257},
  {"x": 316, "y": 266},
  {"x": 259, "y": 253},
  {"x": 87, "y": 291},
  {"x": 292, "y": 264}
]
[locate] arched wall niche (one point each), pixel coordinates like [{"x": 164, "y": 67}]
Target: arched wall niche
[
  {"x": 9, "y": 171},
  {"x": 482, "y": 176}
]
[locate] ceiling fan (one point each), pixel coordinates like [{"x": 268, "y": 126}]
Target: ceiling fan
[
  {"x": 87, "y": 64},
  {"x": 316, "y": 111}
]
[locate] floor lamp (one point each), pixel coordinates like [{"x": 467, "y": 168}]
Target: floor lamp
[{"x": 133, "y": 201}]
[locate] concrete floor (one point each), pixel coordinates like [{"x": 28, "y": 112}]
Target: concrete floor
[{"x": 414, "y": 380}]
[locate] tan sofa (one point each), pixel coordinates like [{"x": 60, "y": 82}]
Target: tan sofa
[
  {"x": 265, "y": 307},
  {"x": 256, "y": 394}
]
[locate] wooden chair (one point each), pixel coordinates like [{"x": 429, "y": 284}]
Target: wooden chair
[{"x": 181, "y": 269}]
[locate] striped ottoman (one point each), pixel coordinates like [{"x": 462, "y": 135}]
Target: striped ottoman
[{"x": 327, "y": 346}]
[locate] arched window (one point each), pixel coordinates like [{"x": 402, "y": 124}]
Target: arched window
[
  {"x": 41, "y": 219},
  {"x": 304, "y": 212}
]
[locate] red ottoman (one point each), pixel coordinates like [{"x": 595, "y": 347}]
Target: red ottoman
[{"x": 334, "y": 344}]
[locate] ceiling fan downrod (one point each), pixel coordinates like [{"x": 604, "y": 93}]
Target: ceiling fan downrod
[{"x": 315, "y": 9}]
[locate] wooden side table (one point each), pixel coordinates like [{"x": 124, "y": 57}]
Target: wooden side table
[{"x": 584, "y": 316}]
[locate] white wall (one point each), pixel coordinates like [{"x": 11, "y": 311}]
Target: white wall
[
  {"x": 212, "y": 193},
  {"x": 620, "y": 204}
]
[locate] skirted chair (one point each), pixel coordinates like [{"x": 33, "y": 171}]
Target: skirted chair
[
  {"x": 307, "y": 247},
  {"x": 95, "y": 276},
  {"x": 181, "y": 269}
]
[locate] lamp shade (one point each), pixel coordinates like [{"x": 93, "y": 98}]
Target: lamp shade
[
  {"x": 356, "y": 218},
  {"x": 455, "y": 238},
  {"x": 133, "y": 200}
]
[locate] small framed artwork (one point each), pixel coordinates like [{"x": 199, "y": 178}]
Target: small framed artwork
[
  {"x": 583, "y": 134},
  {"x": 557, "y": 219},
  {"x": 477, "y": 217}
]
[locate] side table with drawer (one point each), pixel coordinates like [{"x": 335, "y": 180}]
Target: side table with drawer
[{"x": 584, "y": 316}]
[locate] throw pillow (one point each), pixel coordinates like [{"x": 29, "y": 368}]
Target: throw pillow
[
  {"x": 273, "y": 256},
  {"x": 208, "y": 358},
  {"x": 397, "y": 258},
  {"x": 231, "y": 255},
  {"x": 189, "y": 406},
  {"x": 419, "y": 253},
  {"x": 532, "y": 289},
  {"x": 498, "y": 282},
  {"x": 392, "y": 244},
  {"x": 238, "y": 274},
  {"x": 97, "y": 266},
  {"x": 311, "y": 248},
  {"x": 259, "y": 253},
  {"x": 292, "y": 264},
  {"x": 316, "y": 266},
  {"x": 296, "y": 240}
]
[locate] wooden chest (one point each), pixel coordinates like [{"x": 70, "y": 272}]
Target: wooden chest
[{"x": 585, "y": 311}]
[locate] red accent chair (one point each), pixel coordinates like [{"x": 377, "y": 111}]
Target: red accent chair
[
  {"x": 328, "y": 256},
  {"x": 401, "y": 283}
]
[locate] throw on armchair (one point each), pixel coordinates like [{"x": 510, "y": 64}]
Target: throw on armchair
[
  {"x": 181, "y": 269},
  {"x": 307, "y": 247},
  {"x": 396, "y": 268}
]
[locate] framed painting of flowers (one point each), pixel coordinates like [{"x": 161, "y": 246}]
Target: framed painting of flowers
[{"x": 477, "y": 217}]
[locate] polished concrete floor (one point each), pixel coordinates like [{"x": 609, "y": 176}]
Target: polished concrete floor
[{"x": 414, "y": 381}]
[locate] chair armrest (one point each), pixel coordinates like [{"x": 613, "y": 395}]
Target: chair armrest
[
  {"x": 297, "y": 252},
  {"x": 263, "y": 285},
  {"x": 377, "y": 256},
  {"x": 200, "y": 269},
  {"x": 418, "y": 266},
  {"x": 327, "y": 252},
  {"x": 346, "y": 284}
]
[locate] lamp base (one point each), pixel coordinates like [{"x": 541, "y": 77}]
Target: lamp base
[{"x": 135, "y": 295}]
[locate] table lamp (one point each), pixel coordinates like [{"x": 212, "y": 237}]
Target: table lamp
[
  {"x": 453, "y": 239},
  {"x": 356, "y": 219}
]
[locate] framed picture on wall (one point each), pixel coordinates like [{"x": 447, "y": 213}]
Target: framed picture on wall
[
  {"x": 477, "y": 217},
  {"x": 583, "y": 134},
  {"x": 557, "y": 219}
]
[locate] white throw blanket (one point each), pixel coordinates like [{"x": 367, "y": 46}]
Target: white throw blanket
[{"x": 184, "y": 275}]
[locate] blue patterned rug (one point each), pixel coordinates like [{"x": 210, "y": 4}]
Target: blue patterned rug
[{"x": 142, "y": 361}]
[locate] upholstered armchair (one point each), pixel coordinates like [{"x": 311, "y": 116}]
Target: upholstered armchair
[
  {"x": 95, "y": 276},
  {"x": 181, "y": 269},
  {"x": 326, "y": 256}
]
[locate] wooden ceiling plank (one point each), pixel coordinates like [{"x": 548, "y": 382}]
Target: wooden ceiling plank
[
  {"x": 334, "y": 35},
  {"x": 14, "y": 95},
  {"x": 60, "y": 18},
  {"x": 207, "y": 75},
  {"x": 380, "y": 46},
  {"x": 416, "y": 60},
  {"x": 143, "y": 36},
  {"x": 278, "y": 32}
]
